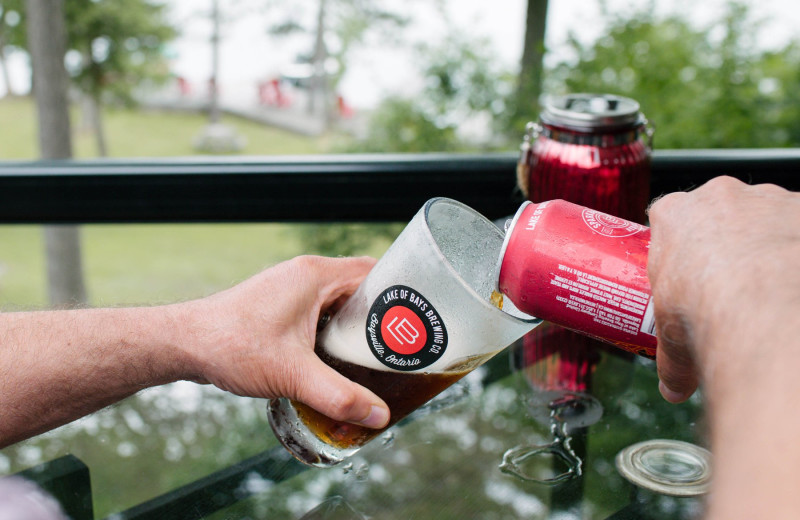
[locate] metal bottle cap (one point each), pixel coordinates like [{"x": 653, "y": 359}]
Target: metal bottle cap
[
  {"x": 667, "y": 467},
  {"x": 587, "y": 112}
]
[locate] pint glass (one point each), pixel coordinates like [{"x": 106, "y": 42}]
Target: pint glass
[{"x": 422, "y": 319}]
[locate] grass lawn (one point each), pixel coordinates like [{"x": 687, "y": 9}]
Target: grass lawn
[
  {"x": 145, "y": 264},
  {"x": 136, "y": 133},
  {"x": 136, "y": 264}
]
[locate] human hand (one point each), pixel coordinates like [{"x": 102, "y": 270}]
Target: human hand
[
  {"x": 718, "y": 261},
  {"x": 257, "y": 338}
]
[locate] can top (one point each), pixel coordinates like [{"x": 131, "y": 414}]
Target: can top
[
  {"x": 666, "y": 467},
  {"x": 586, "y": 112},
  {"x": 509, "y": 228}
]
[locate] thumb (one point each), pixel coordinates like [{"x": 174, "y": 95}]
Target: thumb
[
  {"x": 330, "y": 393},
  {"x": 677, "y": 371}
]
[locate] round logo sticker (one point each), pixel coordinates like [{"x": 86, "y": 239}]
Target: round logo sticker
[
  {"x": 610, "y": 226},
  {"x": 404, "y": 331}
]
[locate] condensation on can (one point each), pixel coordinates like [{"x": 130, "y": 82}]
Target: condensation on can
[{"x": 581, "y": 269}]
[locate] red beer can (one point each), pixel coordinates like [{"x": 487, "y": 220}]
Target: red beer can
[
  {"x": 582, "y": 269},
  {"x": 590, "y": 149}
]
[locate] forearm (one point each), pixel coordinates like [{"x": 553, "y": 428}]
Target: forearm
[
  {"x": 255, "y": 339},
  {"x": 754, "y": 428},
  {"x": 726, "y": 289},
  {"x": 58, "y": 366},
  {"x": 751, "y": 369}
]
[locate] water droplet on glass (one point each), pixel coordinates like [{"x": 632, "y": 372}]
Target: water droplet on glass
[
  {"x": 556, "y": 462},
  {"x": 362, "y": 473},
  {"x": 575, "y": 409},
  {"x": 387, "y": 439},
  {"x": 547, "y": 464},
  {"x": 347, "y": 468},
  {"x": 446, "y": 399},
  {"x": 333, "y": 508}
]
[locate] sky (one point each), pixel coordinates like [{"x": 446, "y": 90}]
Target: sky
[{"x": 248, "y": 54}]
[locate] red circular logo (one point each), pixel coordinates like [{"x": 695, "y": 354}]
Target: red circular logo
[
  {"x": 608, "y": 225},
  {"x": 403, "y": 331}
]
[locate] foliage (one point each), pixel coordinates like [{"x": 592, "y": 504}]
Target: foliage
[
  {"x": 113, "y": 44},
  {"x": 463, "y": 87},
  {"x": 462, "y": 77},
  {"x": 12, "y": 34},
  {"x": 703, "y": 88},
  {"x": 339, "y": 27},
  {"x": 401, "y": 125},
  {"x": 346, "y": 239},
  {"x": 12, "y": 28},
  {"x": 117, "y": 43}
]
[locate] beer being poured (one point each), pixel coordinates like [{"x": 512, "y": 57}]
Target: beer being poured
[
  {"x": 497, "y": 299},
  {"x": 403, "y": 392}
]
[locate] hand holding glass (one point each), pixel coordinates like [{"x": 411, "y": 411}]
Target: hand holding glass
[{"x": 421, "y": 320}]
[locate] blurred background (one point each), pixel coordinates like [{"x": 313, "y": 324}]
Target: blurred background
[{"x": 264, "y": 77}]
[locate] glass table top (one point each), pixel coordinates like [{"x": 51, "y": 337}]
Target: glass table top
[{"x": 534, "y": 433}]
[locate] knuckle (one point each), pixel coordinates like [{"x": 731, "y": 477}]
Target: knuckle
[
  {"x": 305, "y": 261},
  {"x": 770, "y": 189},
  {"x": 661, "y": 206},
  {"x": 721, "y": 186},
  {"x": 342, "y": 404},
  {"x": 724, "y": 182},
  {"x": 308, "y": 266}
]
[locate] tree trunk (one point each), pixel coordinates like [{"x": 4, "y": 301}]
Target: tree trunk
[
  {"x": 529, "y": 87},
  {"x": 213, "y": 85},
  {"x": 91, "y": 109},
  {"x": 47, "y": 43},
  {"x": 319, "y": 80},
  {"x": 95, "y": 115},
  {"x": 64, "y": 273}
]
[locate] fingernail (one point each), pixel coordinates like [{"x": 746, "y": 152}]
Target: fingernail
[
  {"x": 377, "y": 418},
  {"x": 670, "y": 395}
]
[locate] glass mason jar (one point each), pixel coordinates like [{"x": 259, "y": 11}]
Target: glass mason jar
[{"x": 592, "y": 150}]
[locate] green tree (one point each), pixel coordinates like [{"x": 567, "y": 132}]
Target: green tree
[
  {"x": 780, "y": 73},
  {"x": 700, "y": 92},
  {"x": 400, "y": 125},
  {"x": 463, "y": 84},
  {"x": 12, "y": 34},
  {"x": 338, "y": 27},
  {"x": 119, "y": 44}
]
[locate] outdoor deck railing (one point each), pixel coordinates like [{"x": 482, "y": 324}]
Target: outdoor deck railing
[
  {"x": 293, "y": 189},
  {"x": 317, "y": 188}
]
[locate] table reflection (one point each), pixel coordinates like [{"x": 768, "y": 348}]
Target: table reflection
[{"x": 444, "y": 461}]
